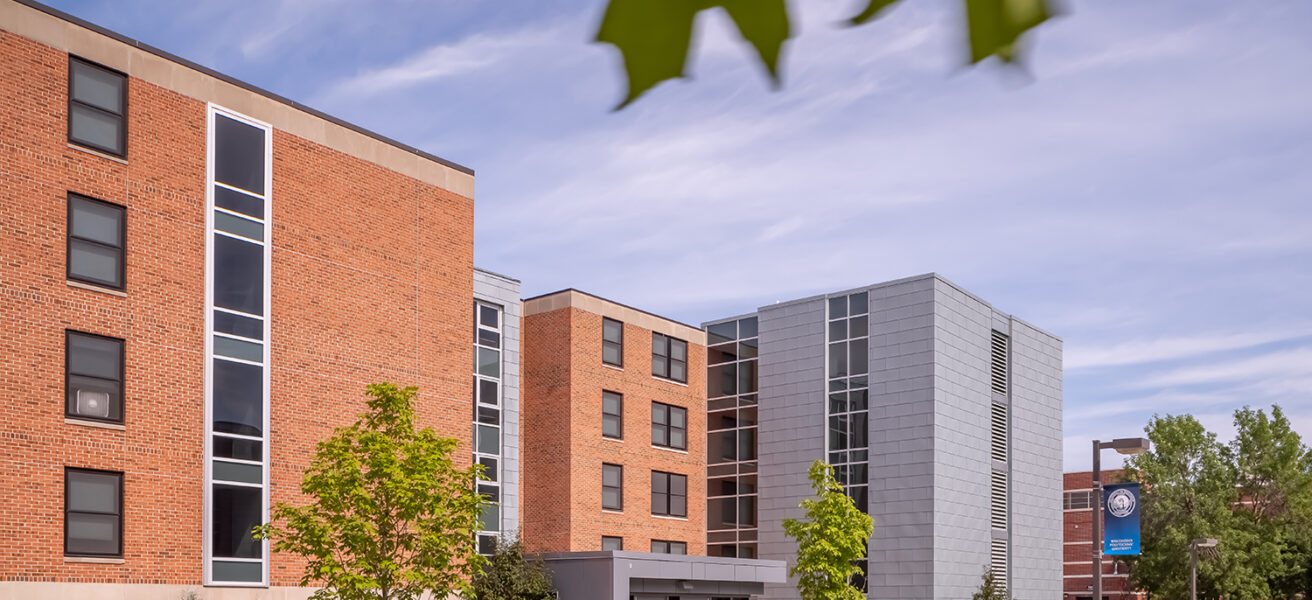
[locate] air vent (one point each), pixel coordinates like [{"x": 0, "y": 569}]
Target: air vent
[
  {"x": 998, "y": 434},
  {"x": 998, "y": 500},
  {"x": 999, "y": 363},
  {"x": 998, "y": 562},
  {"x": 93, "y": 404}
]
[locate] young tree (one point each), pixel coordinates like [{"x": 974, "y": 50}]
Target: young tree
[
  {"x": 989, "y": 589},
  {"x": 509, "y": 575},
  {"x": 390, "y": 516},
  {"x": 830, "y": 540}
]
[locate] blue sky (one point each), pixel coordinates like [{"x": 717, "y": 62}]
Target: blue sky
[{"x": 1144, "y": 194}]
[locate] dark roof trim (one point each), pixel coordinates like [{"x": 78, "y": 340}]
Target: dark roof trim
[
  {"x": 241, "y": 84},
  {"x": 645, "y": 312}
]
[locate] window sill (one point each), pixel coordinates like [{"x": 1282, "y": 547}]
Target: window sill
[
  {"x": 611, "y": 439},
  {"x": 669, "y": 449},
  {"x": 92, "y": 152},
  {"x": 670, "y": 518},
  {"x": 619, "y": 368},
  {"x": 91, "y": 560},
  {"x": 611, "y": 511},
  {"x": 668, "y": 380},
  {"x": 95, "y": 288},
  {"x": 97, "y": 424}
]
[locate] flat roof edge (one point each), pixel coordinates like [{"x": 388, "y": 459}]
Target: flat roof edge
[{"x": 54, "y": 12}]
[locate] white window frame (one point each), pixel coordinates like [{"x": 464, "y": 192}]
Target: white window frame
[{"x": 212, "y": 111}]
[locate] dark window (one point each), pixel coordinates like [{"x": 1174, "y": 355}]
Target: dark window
[
  {"x": 239, "y": 155},
  {"x": 669, "y": 357},
  {"x": 612, "y": 415},
  {"x": 236, "y": 511},
  {"x": 93, "y": 513},
  {"x": 238, "y": 398},
  {"x": 238, "y": 275},
  {"x": 612, "y": 342},
  {"x": 97, "y": 107},
  {"x": 93, "y": 379},
  {"x": 669, "y": 426},
  {"x": 96, "y": 237},
  {"x": 612, "y": 487},
  {"x": 668, "y": 547},
  {"x": 610, "y": 542},
  {"x": 669, "y": 494}
]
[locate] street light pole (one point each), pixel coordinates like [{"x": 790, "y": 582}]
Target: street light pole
[
  {"x": 1193, "y": 563},
  {"x": 1097, "y": 520},
  {"x": 1123, "y": 446}
]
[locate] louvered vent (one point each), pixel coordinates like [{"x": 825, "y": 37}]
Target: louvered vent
[
  {"x": 998, "y": 435},
  {"x": 999, "y": 363},
  {"x": 998, "y": 561},
  {"x": 998, "y": 501}
]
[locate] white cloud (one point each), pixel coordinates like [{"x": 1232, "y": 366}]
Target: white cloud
[
  {"x": 1295, "y": 362},
  {"x": 1148, "y": 350}
]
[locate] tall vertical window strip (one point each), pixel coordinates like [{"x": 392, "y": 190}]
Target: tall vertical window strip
[
  {"x": 488, "y": 330},
  {"x": 237, "y": 373},
  {"x": 731, "y": 438},
  {"x": 97, "y": 107},
  {"x": 97, "y": 233},
  {"x": 612, "y": 342},
  {"x": 847, "y": 332}
]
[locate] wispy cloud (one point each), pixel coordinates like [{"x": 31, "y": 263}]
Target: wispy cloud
[
  {"x": 1296, "y": 363},
  {"x": 1158, "y": 349}
]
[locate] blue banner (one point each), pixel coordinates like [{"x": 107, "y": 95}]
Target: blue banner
[{"x": 1120, "y": 511}]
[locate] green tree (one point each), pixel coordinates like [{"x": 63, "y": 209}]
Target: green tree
[
  {"x": 1251, "y": 495},
  {"x": 990, "y": 589},
  {"x": 830, "y": 540},
  {"x": 654, "y": 36},
  {"x": 390, "y": 516},
  {"x": 509, "y": 575}
]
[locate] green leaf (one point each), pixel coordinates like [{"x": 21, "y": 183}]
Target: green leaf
[
  {"x": 654, "y": 36},
  {"x": 764, "y": 24},
  {"x": 873, "y": 10},
  {"x": 996, "y": 25}
]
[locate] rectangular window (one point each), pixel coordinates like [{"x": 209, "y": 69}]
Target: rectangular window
[
  {"x": 97, "y": 107},
  {"x": 668, "y": 547},
  {"x": 612, "y": 342},
  {"x": 669, "y": 426},
  {"x": 669, "y": 494},
  {"x": 612, "y": 415},
  {"x": 93, "y": 377},
  {"x": 612, "y": 487},
  {"x": 93, "y": 513},
  {"x": 669, "y": 357},
  {"x": 96, "y": 236},
  {"x": 612, "y": 543}
]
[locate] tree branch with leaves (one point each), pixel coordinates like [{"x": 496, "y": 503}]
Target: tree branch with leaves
[{"x": 830, "y": 540}]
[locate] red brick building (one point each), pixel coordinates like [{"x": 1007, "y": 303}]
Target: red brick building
[
  {"x": 1077, "y": 514},
  {"x": 199, "y": 279},
  {"x": 614, "y": 412}
]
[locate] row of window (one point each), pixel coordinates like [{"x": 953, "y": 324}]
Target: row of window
[
  {"x": 669, "y": 491},
  {"x": 669, "y": 423},
  {"x": 616, "y": 543},
  {"x": 669, "y": 355}
]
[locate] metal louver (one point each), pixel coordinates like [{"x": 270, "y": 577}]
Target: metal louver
[
  {"x": 999, "y": 366},
  {"x": 998, "y": 432},
  {"x": 998, "y": 500},
  {"x": 998, "y": 561}
]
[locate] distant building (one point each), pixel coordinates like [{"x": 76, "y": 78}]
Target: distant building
[
  {"x": 1077, "y": 543},
  {"x": 941, "y": 414}
]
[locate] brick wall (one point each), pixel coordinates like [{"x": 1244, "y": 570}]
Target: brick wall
[
  {"x": 371, "y": 275},
  {"x": 564, "y": 449}
]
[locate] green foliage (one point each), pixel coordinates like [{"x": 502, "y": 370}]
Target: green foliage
[
  {"x": 391, "y": 515},
  {"x": 990, "y": 589},
  {"x": 830, "y": 540},
  {"x": 509, "y": 575},
  {"x": 654, "y": 36},
  {"x": 1252, "y": 495}
]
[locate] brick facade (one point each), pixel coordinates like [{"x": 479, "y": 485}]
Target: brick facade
[
  {"x": 371, "y": 281},
  {"x": 562, "y": 423},
  {"x": 1077, "y": 547}
]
